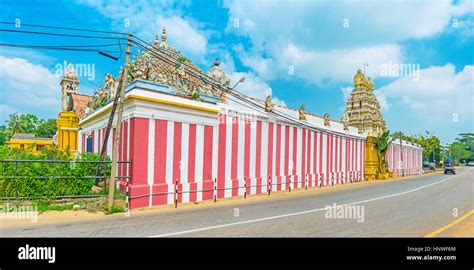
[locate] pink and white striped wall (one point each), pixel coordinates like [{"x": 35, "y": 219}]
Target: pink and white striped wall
[
  {"x": 405, "y": 159},
  {"x": 168, "y": 143}
]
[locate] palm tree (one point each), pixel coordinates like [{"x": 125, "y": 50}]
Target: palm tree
[
  {"x": 15, "y": 124},
  {"x": 383, "y": 142}
]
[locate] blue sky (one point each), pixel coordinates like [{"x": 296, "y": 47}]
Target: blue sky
[{"x": 302, "y": 52}]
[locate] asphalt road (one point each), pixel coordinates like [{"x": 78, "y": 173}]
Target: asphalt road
[{"x": 412, "y": 207}]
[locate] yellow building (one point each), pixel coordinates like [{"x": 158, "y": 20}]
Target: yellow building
[{"x": 29, "y": 141}]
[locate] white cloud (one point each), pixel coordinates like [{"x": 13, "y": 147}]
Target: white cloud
[
  {"x": 279, "y": 102},
  {"x": 338, "y": 64},
  {"x": 263, "y": 67},
  {"x": 317, "y": 44},
  {"x": 27, "y": 87},
  {"x": 436, "y": 96},
  {"x": 320, "y": 23},
  {"x": 183, "y": 36},
  {"x": 252, "y": 86},
  {"x": 149, "y": 17}
]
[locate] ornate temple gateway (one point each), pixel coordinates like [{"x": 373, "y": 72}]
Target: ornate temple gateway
[
  {"x": 363, "y": 112},
  {"x": 363, "y": 108},
  {"x": 183, "y": 129}
]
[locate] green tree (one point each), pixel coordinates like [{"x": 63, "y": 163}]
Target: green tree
[
  {"x": 431, "y": 146},
  {"x": 463, "y": 147},
  {"x": 46, "y": 129},
  {"x": 383, "y": 142},
  {"x": 22, "y": 123},
  {"x": 428, "y": 141},
  {"x": 3, "y": 134},
  {"x": 459, "y": 151}
]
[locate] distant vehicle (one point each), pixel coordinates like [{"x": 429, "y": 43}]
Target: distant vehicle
[
  {"x": 449, "y": 167},
  {"x": 428, "y": 166},
  {"x": 470, "y": 163},
  {"x": 455, "y": 163}
]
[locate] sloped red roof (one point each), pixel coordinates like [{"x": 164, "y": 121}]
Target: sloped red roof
[{"x": 80, "y": 102}]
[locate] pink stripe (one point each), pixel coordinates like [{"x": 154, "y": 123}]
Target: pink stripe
[
  {"x": 247, "y": 155},
  {"x": 258, "y": 157},
  {"x": 139, "y": 158},
  {"x": 177, "y": 156},
  {"x": 270, "y": 152},
  {"x": 125, "y": 144},
  {"x": 295, "y": 153},
  {"x": 207, "y": 163},
  {"x": 233, "y": 165},
  {"x": 221, "y": 156},
  {"x": 337, "y": 156},
  {"x": 321, "y": 175},
  {"x": 287, "y": 155},
  {"x": 316, "y": 156},
  {"x": 303, "y": 157},
  {"x": 98, "y": 141},
  {"x": 159, "y": 184},
  {"x": 340, "y": 156},
  {"x": 278, "y": 157},
  {"x": 328, "y": 157},
  {"x": 308, "y": 158}
]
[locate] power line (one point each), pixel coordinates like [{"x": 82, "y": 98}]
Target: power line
[
  {"x": 65, "y": 28},
  {"x": 276, "y": 114},
  {"x": 235, "y": 93},
  {"x": 157, "y": 53},
  {"x": 62, "y": 35},
  {"x": 59, "y": 48}
]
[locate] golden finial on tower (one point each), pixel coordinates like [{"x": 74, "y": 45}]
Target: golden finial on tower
[
  {"x": 359, "y": 79},
  {"x": 163, "y": 35},
  {"x": 157, "y": 41}
]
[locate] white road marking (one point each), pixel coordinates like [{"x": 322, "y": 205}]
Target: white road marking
[{"x": 302, "y": 212}]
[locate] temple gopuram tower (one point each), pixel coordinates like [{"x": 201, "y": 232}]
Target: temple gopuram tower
[
  {"x": 363, "y": 112},
  {"x": 363, "y": 109}
]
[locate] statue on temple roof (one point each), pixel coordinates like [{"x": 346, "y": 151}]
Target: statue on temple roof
[
  {"x": 302, "y": 115},
  {"x": 327, "y": 120},
  {"x": 177, "y": 71},
  {"x": 268, "y": 104},
  {"x": 345, "y": 122}
]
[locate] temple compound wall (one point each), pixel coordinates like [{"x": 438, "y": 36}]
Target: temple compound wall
[
  {"x": 171, "y": 139},
  {"x": 404, "y": 159}
]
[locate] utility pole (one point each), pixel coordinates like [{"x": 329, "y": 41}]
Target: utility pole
[
  {"x": 109, "y": 127},
  {"x": 113, "y": 172}
]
